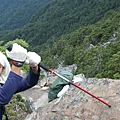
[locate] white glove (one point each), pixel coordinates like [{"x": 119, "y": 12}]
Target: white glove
[
  {"x": 63, "y": 91},
  {"x": 17, "y": 54},
  {"x": 77, "y": 79},
  {"x": 33, "y": 59}
]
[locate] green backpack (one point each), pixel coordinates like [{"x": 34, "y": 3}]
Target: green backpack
[{"x": 58, "y": 84}]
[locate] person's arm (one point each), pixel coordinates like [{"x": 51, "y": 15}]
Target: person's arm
[
  {"x": 30, "y": 81},
  {"x": 36, "y": 69},
  {"x": 33, "y": 59},
  {"x": 11, "y": 85}
]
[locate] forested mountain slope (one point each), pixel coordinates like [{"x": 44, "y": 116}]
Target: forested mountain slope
[
  {"x": 94, "y": 48},
  {"x": 85, "y": 33},
  {"x": 16, "y": 13},
  {"x": 61, "y": 17}
]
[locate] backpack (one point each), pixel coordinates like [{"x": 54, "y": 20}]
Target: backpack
[{"x": 58, "y": 84}]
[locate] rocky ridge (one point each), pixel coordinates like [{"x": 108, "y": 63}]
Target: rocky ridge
[{"x": 76, "y": 104}]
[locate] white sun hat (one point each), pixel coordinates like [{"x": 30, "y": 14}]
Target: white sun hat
[{"x": 4, "y": 62}]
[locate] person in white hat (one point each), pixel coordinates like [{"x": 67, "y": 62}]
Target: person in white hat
[
  {"x": 13, "y": 82},
  {"x": 4, "y": 68}
]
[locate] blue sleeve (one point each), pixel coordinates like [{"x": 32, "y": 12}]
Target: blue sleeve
[
  {"x": 29, "y": 81},
  {"x": 9, "y": 88}
]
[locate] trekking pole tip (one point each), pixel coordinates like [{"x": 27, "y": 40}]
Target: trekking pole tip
[{"x": 109, "y": 106}]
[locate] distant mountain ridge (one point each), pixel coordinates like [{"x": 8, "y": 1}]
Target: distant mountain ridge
[
  {"x": 61, "y": 17},
  {"x": 16, "y": 13},
  {"x": 63, "y": 29}
]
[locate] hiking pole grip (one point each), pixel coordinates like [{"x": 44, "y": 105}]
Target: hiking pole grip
[{"x": 44, "y": 67}]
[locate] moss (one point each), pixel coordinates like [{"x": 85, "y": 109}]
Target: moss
[{"x": 16, "y": 109}]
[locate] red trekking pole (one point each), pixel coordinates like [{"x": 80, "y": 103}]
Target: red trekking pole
[{"x": 53, "y": 72}]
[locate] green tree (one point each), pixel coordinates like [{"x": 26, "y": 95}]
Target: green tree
[{"x": 113, "y": 66}]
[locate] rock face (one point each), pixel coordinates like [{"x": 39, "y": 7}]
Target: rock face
[{"x": 76, "y": 104}]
